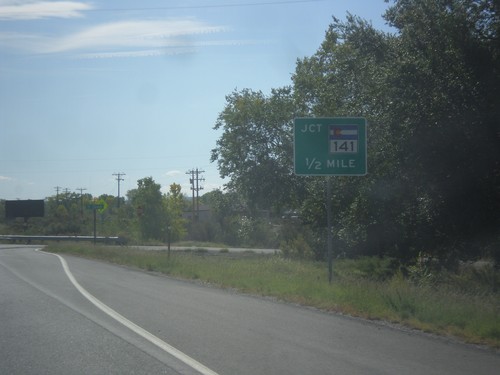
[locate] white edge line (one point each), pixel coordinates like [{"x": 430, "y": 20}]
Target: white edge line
[{"x": 191, "y": 362}]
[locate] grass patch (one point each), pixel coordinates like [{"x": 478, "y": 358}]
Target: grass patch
[
  {"x": 366, "y": 287},
  {"x": 199, "y": 244}
]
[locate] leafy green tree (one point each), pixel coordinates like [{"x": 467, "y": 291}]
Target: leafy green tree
[
  {"x": 256, "y": 147},
  {"x": 227, "y": 208},
  {"x": 430, "y": 93},
  {"x": 446, "y": 78},
  {"x": 174, "y": 206},
  {"x": 348, "y": 76},
  {"x": 148, "y": 200}
]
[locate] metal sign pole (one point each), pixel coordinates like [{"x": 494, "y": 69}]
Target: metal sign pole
[
  {"x": 330, "y": 146},
  {"x": 329, "y": 227}
]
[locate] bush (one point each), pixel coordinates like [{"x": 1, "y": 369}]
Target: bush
[
  {"x": 371, "y": 268},
  {"x": 296, "y": 248}
]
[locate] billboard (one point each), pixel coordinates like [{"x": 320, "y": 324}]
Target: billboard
[{"x": 24, "y": 208}]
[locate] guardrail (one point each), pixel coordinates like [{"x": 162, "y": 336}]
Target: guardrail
[{"x": 27, "y": 238}]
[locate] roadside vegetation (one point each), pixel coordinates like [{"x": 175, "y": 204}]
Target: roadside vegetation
[
  {"x": 429, "y": 89},
  {"x": 405, "y": 236},
  {"x": 463, "y": 304}
]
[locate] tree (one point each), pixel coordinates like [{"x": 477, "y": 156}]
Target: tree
[
  {"x": 174, "y": 206},
  {"x": 349, "y": 76},
  {"x": 430, "y": 92},
  {"x": 446, "y": 77},
  {"x": 256, "y": 147},
  {"x": 148, "y": 200},
  {"x": 227, "y": 209}
]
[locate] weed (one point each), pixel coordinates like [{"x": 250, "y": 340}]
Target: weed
[{"x": 367, "y": 287}]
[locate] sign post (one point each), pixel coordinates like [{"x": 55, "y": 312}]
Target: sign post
[
  {"x": 330, "y": 146},
  {"x": 94, "y": 207}
]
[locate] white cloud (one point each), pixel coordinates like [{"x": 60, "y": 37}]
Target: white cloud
[
  {"x": 133, "y": 34},
  {"x": 5, "y": 178},
  {"x": 168, "y": 49},
  {"x": 122, "y": 39},
  {"x": 173, "y": 173},
  {"x": 30, "y": 10},
  {"x": 142, "y": 53}
]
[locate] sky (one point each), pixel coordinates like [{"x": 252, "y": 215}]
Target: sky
[{"x": 89, "y": 89}]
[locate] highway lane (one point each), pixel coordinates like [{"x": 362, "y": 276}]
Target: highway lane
[
  {"x": 48, "y": 327},
  {"x": 227, "y": 332}
]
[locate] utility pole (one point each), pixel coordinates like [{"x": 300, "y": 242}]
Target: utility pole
[
  {"x": 195, "y": 188},
  {"x": 198, "y": 188},
  {"x": 191, "y": 181},
  {"x": 66, "y": 198},
  {"x": 81, "y": 199},
  {"x": 118, "y": 178},
  {"x": 57, "y": 188}
]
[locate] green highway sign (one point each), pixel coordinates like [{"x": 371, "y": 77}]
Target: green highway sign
[
  {"x": 334, "y": 146},
  {"x": 95, "y": 206}
]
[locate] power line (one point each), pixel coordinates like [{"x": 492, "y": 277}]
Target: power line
[
  {"x": 206, "y": 6},
  {"x": 184, "y": 7}
]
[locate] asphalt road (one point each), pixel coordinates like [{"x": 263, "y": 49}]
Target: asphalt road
[{"x": 97, "y": 318}]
